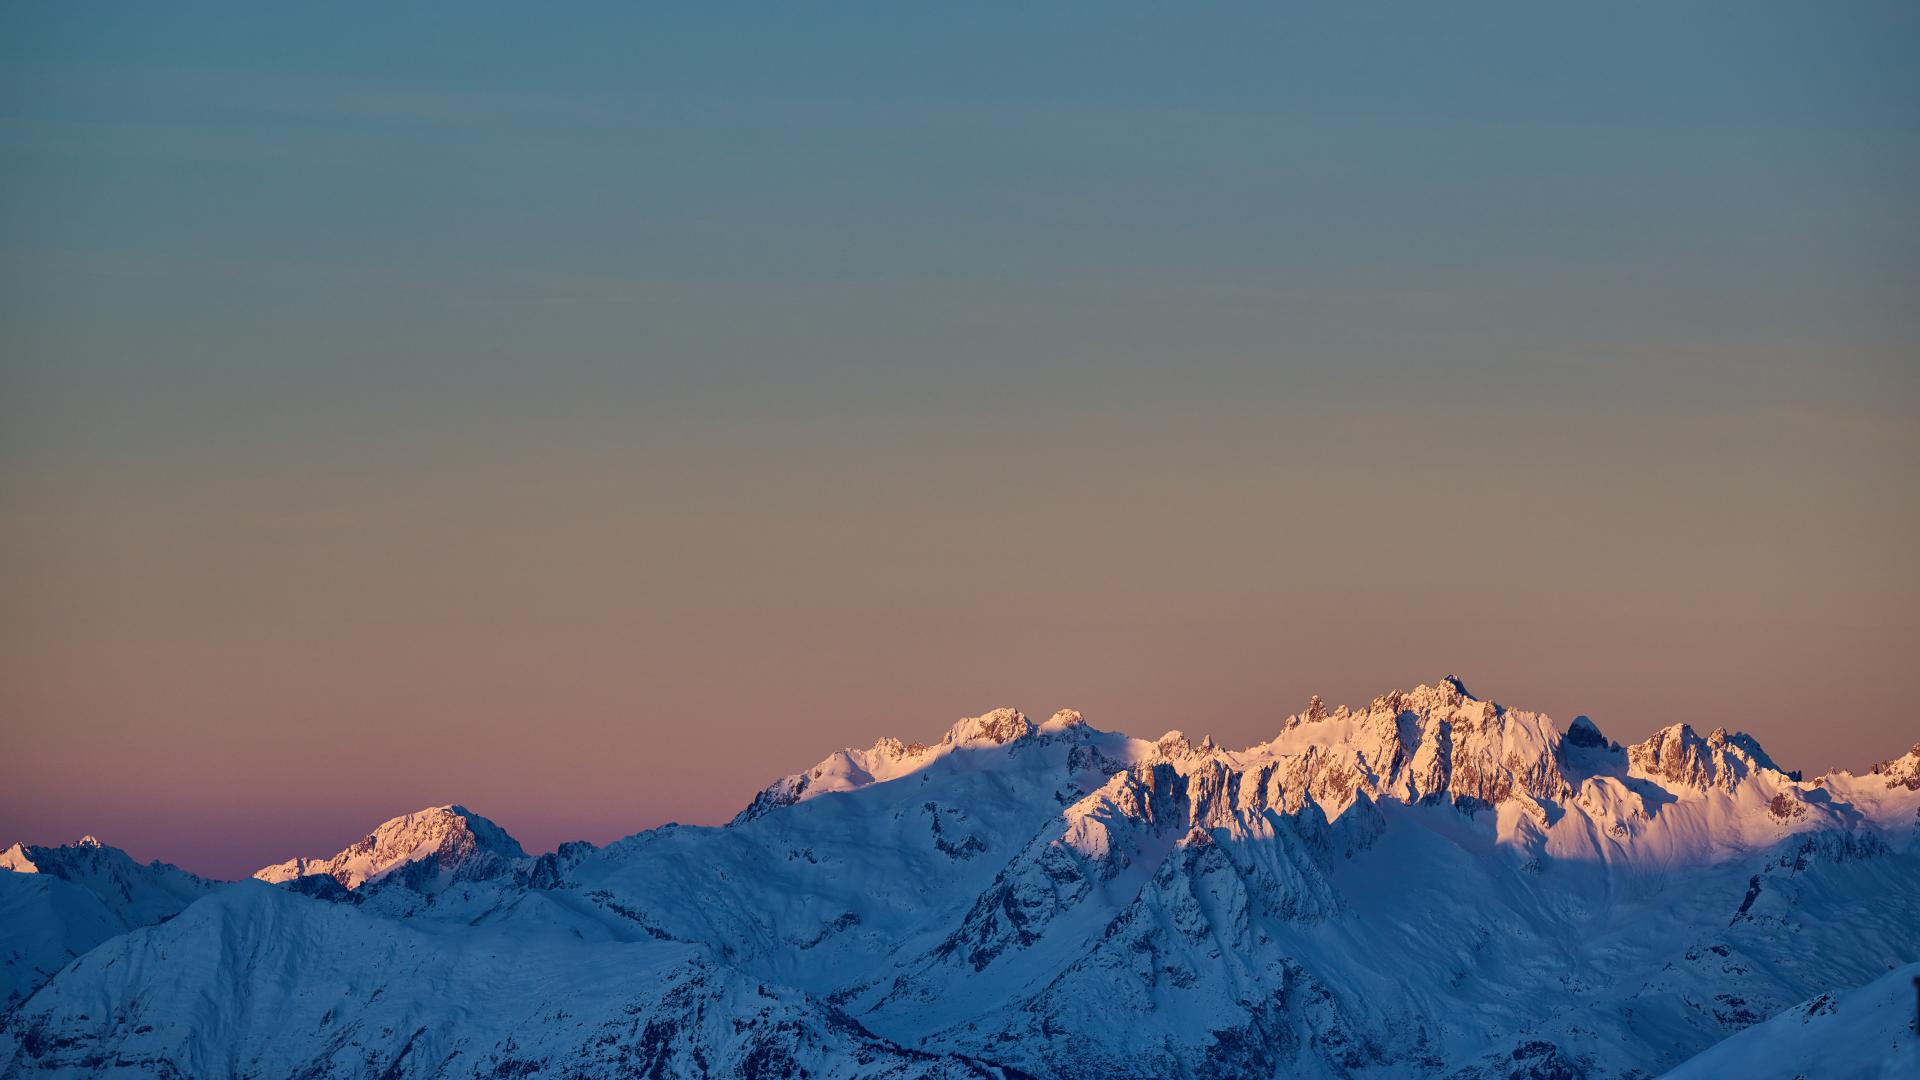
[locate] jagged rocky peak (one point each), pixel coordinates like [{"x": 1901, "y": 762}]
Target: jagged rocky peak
[
  {"x": 1409, "y": 745},
  {"x": 82, "y": 856},
  {"x": 19, "y": 860},
  {"x": 1900, "y": 772},
  {"x": 1144, "y": 796},
  {"x": 1446, "y": 701},
  {"x": 888, "y": 746},
  {"x": 1680, "y": 755},
  {"x": 132, "y": 893},
  {"x": 1174, "y": 744},
  {"x": 995, "y": 728},
  {"x": 1447, "y": 694},
  {"x": 457, "y": 840}
]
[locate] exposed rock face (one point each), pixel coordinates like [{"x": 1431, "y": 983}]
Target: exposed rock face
[
  {"x": 1901, "y": 772},
  {"x": 1679, "y": 756},
  {"x": 1429, "y": 742},
  {"x": 450, "y": 840},
  {"x": 993, "y": 729},
  {"x": 1432, "y": 885},
  {"x": 1583, "y": 732}
]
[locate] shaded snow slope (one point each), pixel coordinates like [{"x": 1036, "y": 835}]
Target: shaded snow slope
[
  {"x": 293, "y": 986},
  {"x": 58, "y": 902},
  {"x": 1866, "y": 1033},
  {"x": 1430, "y": 885}
]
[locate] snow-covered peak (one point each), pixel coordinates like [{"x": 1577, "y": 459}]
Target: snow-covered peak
[
  {"x": 1900, "y": 772},
  {"x": 1404, "y": 745},
  {"x": 890, "y": 758},
  {"x": 136, "y": 893},
  {"x": 1446, "y": 695},
  {"x": 26, "y": 858},
  {"x": 842, "y": 770},
  {"x": 1428, "y": 885},
  {"x": 1889, "y": 790},
  {"x": 995, "y": 728},
  {"x": 18, "y": 860},
  {"x": 459, "y": 842},
  {"x": 78, "y": 860},
  {"x": 58, "y": 902},
  {"x": 1410, "y": 745},
  {"x": 1678, "y": 755},
  {"x": 1064, "y": 720},
  {"x": 1435, "y": 742}
]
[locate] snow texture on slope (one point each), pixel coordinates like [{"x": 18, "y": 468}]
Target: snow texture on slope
[
  {"x": 58, "y": 902},
  {"x": 1865, "y": 1032},
  {"x": 456, "y": 842},
  {"x": 1431, "y": 885}
]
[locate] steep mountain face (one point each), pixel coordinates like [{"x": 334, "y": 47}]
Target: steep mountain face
[
  {"x": 59, "y": 902},
  {"x": 443, "y": 843},
  {"x": 1684, "y": 759},
  {"x": 1431, "y": 885}
]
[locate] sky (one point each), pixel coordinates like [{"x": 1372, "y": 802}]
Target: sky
[{"x": 591, "y": 415}]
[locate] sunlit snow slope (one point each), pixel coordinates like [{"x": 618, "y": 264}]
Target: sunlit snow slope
[{"x": 1431, "y": 885}]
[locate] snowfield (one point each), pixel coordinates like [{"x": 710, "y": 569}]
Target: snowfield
[
  {"x": 1432, "y": 885},
  {"x": 1868, "y": 1032}
]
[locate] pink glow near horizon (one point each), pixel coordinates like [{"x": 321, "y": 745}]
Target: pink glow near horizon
[{"x": 224, "y": 689}]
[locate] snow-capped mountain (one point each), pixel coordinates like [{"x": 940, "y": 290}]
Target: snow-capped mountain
[
  {"x": 59, "y": 902},
  {"x": 1429, "y": 885},
  {"x": 442, "y": 843}
]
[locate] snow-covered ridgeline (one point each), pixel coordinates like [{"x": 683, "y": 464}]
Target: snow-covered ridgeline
[{"x": 1429, "y": 885}]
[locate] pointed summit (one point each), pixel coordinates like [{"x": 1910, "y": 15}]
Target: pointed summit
[
  {"x": 994, "y": 728},
  {"x": 1064, "y": 720},
  {"x": 1680, "y": 755},
  {"x": 457, "y": 842},
  {"x": 1584, "y": 732}
]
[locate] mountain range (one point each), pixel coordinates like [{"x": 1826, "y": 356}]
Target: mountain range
[{"x": 1430, "y": 885}]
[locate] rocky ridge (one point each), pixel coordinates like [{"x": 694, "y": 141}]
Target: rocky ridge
[{"x": 1432, "y": 884}]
